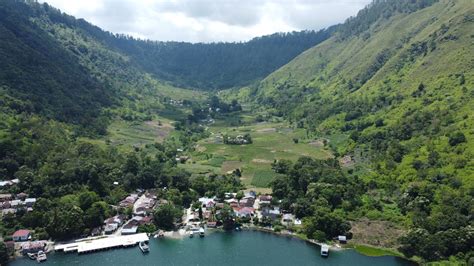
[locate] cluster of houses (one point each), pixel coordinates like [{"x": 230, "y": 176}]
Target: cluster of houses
[
  {"x": 23, "y": 239},
  {"x": 10, "y": 203},
  {"x": 249, "y": 207},
  {"x": 142, "y": 204},
  {"x": 176, "y": 102},
  {"x": 238, "y": 140}
]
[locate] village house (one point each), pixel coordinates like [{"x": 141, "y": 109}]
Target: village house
[
  {"x": 129, "y": 229},
  {"x": 7, "y": 183},
  {"x": 207, "y": 202},
  {"x": 8, "y": 211},
  {"x": 33, "y": 247},
  {"x": 265, "y": 199},
  {"x": 16, "y": 204},
  {"x": 244, "y": 212},
  {"x": 21, "y": 196},
  {"x": 272, "y": 214},
  {"x": 5, "y": 205},
  {"x": 247, "y": 202},
  {"x": 144, "y": 206},
  {"x": 233, "y": 202},
  {"x": 113, "y": 223},
  {"x": 342, "y": 239},
  {"x": 251, "y": 194},
  {"x": 21, "y": 235},
  {"x": 5, "y": 197},
  {"x": 29, "y": 202},
  {"x": 110, "y": 228},
  {"x": 288, "y": 218},
  {"x": 128, "y": 201}
]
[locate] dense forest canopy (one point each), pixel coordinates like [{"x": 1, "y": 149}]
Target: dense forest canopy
[{"x": 211, "y": 66}]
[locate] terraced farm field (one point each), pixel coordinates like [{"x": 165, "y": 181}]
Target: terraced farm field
[{"x": 271, "y": 141}]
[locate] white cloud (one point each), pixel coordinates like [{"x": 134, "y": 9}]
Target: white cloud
[{"x": 209, "y": 20}]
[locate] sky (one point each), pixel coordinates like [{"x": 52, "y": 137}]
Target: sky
[{"x": 209, "y": 20}]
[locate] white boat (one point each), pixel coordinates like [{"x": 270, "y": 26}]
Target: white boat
[
  {"x": 41, "y": 256},
  {"x": 32, "y": 255},
  {"x": 201, "y": 232},
  {"x": 324, "y": 250},
  {"x": 191, "y": 234},
  {"x": 144, "y": 247}
]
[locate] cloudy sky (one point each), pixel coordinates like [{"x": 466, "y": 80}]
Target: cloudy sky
[{"x": 209, "y": 20}]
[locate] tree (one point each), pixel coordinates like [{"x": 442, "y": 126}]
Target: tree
[
  {"x": 95, "y": 215},
  {"x": 456, "y": 138},
  {"x": 87, "y": 198},
  {"x": 166, "y": 215},
  {"x": 239, "y": 195},
  {"x": 200, "y": 213},
  {"x": 282, "y": 166},
  {"x": 3, "y": 253},
  {"x": 226, "y": 216},
  {"x": 66, "y": 222}
]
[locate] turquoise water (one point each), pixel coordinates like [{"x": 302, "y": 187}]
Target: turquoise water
[{"x": 219, "y": 248}]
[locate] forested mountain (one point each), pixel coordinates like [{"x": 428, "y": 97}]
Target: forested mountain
[
  {"x": 53, "y": 68},
  {"x": 69, "y": 69},
  {"x": 396, "y": 84},
  {"x": 210, "y": 66}
]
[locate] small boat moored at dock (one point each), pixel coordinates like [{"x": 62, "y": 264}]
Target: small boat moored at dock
[
  {"x": 191, "y": 234},
  {"x": 144, "y": 247},
  {"x": 324, "y": 250},
  {"x": 201, "y": 232},
  {"x": 32, "y": 256},
  {"x": 41, "y": 256}
]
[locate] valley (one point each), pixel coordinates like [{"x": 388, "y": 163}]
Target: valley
[{"x": 363, "y": 130}]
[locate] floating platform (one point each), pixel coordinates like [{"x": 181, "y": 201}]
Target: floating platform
[{"x": 103, "y": 243}]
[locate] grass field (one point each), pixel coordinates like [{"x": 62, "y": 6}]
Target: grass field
[
  {"x": 271, "y": 141},
  {"x": 125, "y": 135}
]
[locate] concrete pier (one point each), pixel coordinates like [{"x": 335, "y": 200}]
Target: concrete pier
[{"x": 102, "y": 243}]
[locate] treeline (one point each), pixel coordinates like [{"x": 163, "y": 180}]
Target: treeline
[
  {"x": 378, "y": 9},
  {"x": 204, "y": 66},
  {"x": 211, "y": 66}
]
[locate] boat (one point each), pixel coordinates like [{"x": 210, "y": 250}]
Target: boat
[
  {"x": 201, "y": 232},
  {"x": 324, "y": 250},
  {"x": 32, "y": 256},
  {"x": 41, "y": 256},
  {"x": 191, "y": 234},
  {"x": 144, "y": 247}
]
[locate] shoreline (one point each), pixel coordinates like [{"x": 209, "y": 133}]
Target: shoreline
[
  {"x": 334, "y": 246},
  {"x": 181, "y": 234}
]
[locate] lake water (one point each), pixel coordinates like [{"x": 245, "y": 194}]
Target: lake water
[{"x": 219, "y": 248}]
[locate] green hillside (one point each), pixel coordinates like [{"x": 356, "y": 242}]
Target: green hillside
[
  {"x": 52, "y": 65},
  {"x": 364, "y": 129},
  {"x": 398, "y": 81},
  {"x": 408, "y": 78}
]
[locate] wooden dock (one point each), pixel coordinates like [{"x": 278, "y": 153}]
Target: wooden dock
[{"x": 102, "y": 243}]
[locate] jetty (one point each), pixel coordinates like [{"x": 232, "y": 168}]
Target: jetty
[{"x": 97, "y": 244}]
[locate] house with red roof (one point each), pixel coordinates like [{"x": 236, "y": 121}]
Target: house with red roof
[{"x": 21, "y": 235}]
